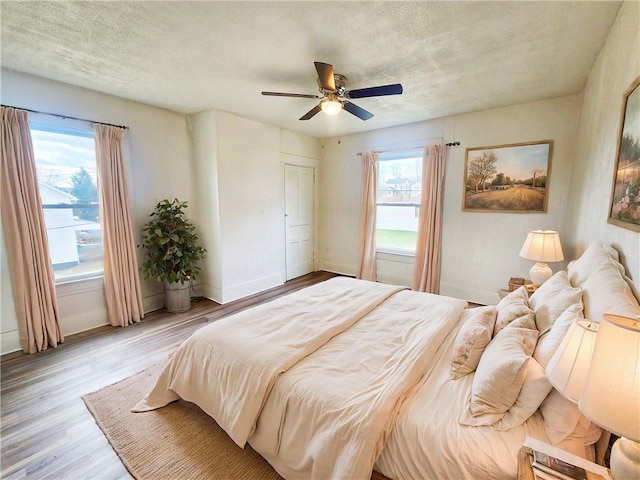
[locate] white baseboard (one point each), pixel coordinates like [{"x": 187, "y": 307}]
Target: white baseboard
[
  {"x": 211, "y": 292},
  {"x": 341, "y": 268},
  {"x": 153, "y": 302},
  {"x": 229, "y": 294},
  {"x": 84, "y": 321},
  {"x": 10, "y": 342}
]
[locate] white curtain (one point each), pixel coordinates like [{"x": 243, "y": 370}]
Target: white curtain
[
  {"x": 426, "y": 277},
  {"x": 121, "y": 279},
  {"x": 32, "y": 278},
  {"x": 367, "y": 259}
]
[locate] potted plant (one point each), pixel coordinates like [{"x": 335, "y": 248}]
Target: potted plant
[{"x": 172, "y": 252}]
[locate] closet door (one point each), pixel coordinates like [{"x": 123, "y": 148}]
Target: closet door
[{"x": 299, "y": 219}]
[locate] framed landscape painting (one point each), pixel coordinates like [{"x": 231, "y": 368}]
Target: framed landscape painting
[
  {"x": 507, "y": 178},
  {"x": 625, "y": 192}
]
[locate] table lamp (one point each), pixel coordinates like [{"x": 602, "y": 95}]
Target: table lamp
[
  {"x": 568, "y": 367},
  {"x": 542, "y": 246},
  {"x": 611, "y": 396}
]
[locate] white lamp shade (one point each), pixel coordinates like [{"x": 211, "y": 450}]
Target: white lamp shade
[
  {"x": 567, "y": 370},
  {"x": 331, "y": 107},
  {"x": 611, "y": 397},
  {"x": 542, "y": 246}
]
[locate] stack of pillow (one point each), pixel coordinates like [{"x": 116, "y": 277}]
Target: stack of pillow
[{"x": 508, "y": 346}]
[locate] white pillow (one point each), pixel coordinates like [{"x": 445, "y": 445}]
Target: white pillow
[
  {"x": 525, "y": 321},
  {"x": 561, "y": 416},
  {"x": 580, "y": 440},
  {"x": 595, "y": 255},
  {"x": 535, "y": 389},
  {"x": 549, "y": 341},
  {"x": 552, "y": 298},
  {"x": 500, "y": 375},
  {"x": 473, "y": 337},
  {"x": 514, "y": 305},
  {"x": 607, "y": 291}
]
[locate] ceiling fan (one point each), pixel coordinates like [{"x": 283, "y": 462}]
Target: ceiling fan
[{"x": 335, "y": 96}]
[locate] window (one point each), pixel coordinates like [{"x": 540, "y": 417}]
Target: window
[
  {"x": 398, "y": 201},
  {"x": 66, "y": 167}
]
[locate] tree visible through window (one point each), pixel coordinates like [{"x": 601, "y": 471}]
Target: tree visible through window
[
  {"x": 66, "y": 168},
  {"x": 398, "y": 201}
]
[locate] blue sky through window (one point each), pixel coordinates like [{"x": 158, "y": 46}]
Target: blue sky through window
[
  {"x": 59, "y": 156},
  {"x": 74, "y": 235}
]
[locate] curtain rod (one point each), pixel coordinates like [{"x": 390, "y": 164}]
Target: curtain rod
[
  {"x": 66, "y": 116},
  {"x": 450, "y": 144}
]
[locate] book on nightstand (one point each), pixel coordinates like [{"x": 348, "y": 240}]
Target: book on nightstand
[
  {"x": 551, "y": 463},
  {"x": 557, "y": 467},
  {"x": 540, "y": 475}
]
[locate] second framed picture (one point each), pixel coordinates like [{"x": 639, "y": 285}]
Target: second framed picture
[{"x": 507, "y": 178}]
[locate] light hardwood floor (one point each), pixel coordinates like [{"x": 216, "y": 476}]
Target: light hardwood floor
[{"x": 46, "y": 430}]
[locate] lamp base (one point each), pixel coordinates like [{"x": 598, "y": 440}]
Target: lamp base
[
  {"x": 540, "y": 273},
  {"x": 625, "y": 459}
]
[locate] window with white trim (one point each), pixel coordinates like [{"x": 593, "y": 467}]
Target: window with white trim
[
  {"x": 398, "y": 201},
  {"x": 65, "y": 160}
]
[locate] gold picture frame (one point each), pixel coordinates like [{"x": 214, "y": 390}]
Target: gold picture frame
[
  {"x": 512, "y": 178},
  {"x": 624, "y": 208}
]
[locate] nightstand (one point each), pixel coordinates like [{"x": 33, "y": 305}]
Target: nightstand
[
  {"x": 529, "y": 287},
  {"x": 525, "y": 457}
]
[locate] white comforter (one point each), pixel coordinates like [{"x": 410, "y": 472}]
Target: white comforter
[
  {"x": 329, "y": 415},
  {"x": 229, "y": 367},
  {"x": 428, "y": 442}
]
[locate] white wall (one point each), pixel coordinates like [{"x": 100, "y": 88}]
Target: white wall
[
  {"x": 480, "y": 250},
  {"x": 204, "y": 138},
  {"x": 251, "y": 206},
  {"x": 9, "y": 334},
  {"x": 615, "y": 69},
  {"x": 157, "y": 150},
  {"x": 239, "y": 167}
]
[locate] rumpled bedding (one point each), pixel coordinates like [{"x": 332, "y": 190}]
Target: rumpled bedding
[
  {"x": 329, "y": 415},
  {"x": 229, "y": 367},
  {"x": 428, "y": 442}
]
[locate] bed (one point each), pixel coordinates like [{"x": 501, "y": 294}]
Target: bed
[{"x": 349, "y": 376}]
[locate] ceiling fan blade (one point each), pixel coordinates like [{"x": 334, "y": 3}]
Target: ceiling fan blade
[
  {"x": 311, "y": 113},
  {"x": 395, "y": 89},
  {"x": 361, "y": 113},
  {"x": 297, "y": 95},
  {"x": 325, "y": 74}
]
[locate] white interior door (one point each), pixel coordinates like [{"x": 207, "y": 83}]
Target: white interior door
[{"x": 299, "y": 206}]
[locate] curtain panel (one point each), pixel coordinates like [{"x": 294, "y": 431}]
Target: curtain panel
[
  {"x": 32, "y": 278},
  {"x": 367, "y": 259},
  {"x": 426, "y": 277},
  {"x": 121, "y": 280}
]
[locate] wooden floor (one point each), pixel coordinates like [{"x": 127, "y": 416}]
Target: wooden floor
[{"x": 46, "y": 430}]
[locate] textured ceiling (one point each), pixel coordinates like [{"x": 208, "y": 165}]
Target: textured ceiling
[{"x": 451, "y": 57}]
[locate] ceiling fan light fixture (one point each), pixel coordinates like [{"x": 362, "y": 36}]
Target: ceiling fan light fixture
[
  {"x": 331, "y": 106},
  {"x": 334, "y": 95}
]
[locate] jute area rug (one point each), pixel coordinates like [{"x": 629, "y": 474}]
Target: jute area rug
[{"x": 177, "y": 442}]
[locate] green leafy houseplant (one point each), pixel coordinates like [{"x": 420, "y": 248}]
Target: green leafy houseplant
[{"x": 171, "y": 244}]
